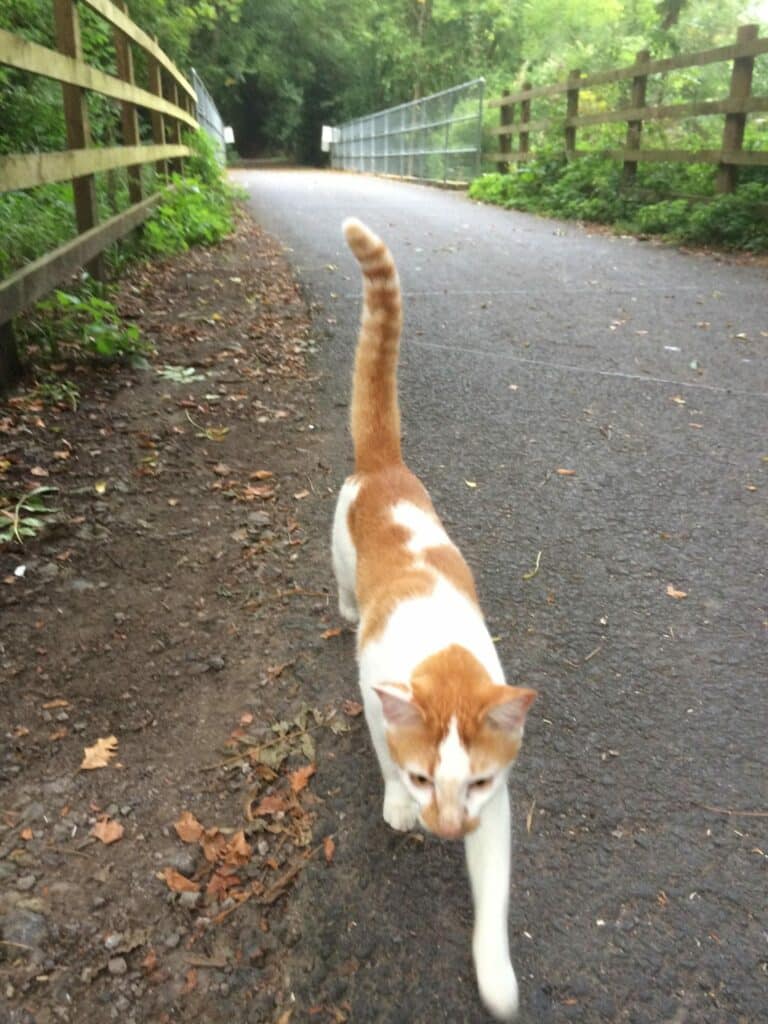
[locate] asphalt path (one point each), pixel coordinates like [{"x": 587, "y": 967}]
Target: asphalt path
[{"x": 598, "y": 406}]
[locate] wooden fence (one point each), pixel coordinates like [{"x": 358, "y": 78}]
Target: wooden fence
[
  {"x": 169, "y": 102},
  {"x": 735, "y": 108}
]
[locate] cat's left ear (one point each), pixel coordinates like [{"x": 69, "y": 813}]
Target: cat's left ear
[
  {"x": 510, "y": 708},
  {"x": 398, "y": 706}
]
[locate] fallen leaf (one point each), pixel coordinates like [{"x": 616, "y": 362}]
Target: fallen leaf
[
  {"x": 677, "y": 594},
  {"x": 566, "y": 472},
  {"x": 58, "y": 703},
  {"x": 271, "y": 804},
  {"x": 352, "y": 708},
  {"x": 221, "y": 469},
  {"x": 329, "y": 848},
  {"x": 238, "y": 850},
  {"x": 246, "y": 718},
  {"x": 38, "y": 471},
  {"x": 26, "y": 834},
  {"x": 188, "y": 828},
  {"x": 301, "y": 494},
  {"x": 301, "y": 777},
  {"x": 261, "y": 474},
  {"x": 100, "y": 754},
  {"x": 108, "y": 830},
  {"x": 335, "y": 631},
  {"x": 176, "y": 882},
  {"x": 212, "y": 843},
  {"x": 149, "y": 963}
]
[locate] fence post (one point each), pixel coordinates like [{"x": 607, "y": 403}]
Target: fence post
[
  {"x": 177, "y": 164},
  {"x": 130, "y": 118},
  {"x": 506, "y": 119},
  {"x": 635, "y": 128},
  {"x": 158, "y": 120},
  {"x": 733, "y": 130},
  {"x": 525, "y": 117},
  {"x": 572, "y": 110},
  {"x": 78, "y": 130}
]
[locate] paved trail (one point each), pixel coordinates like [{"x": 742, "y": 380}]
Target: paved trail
[{"x": 533, "y": 347}]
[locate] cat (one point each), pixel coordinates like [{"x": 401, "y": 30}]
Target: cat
[{"x": 444, "y": 724}]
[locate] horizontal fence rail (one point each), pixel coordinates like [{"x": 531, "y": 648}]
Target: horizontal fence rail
[
  {"x": 437, "y": 138},
  {"x": 635, "y": 111},
  {"x": 167, "y": 102}
]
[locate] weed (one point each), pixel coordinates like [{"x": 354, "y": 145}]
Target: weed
[
  {"x": 77, "y": 325},
  {"x": 53, "y": 390},
  {"x": 21, "y": 518}
]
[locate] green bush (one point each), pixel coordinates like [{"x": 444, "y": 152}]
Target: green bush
[
  {"x": 591, "y": 188},
  {"x": 197, "y": 209}
]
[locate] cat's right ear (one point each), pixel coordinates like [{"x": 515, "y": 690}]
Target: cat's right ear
[{"x": 398, "y": 707}]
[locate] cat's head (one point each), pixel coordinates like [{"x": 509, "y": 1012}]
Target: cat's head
[{"x": 453, "y": 735}]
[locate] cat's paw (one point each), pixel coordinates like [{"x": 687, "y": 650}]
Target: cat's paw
[
  {"x": 498, "y": 989},
  {"x": 348, "y": 608},
  {"x": 400, "y": 812}
]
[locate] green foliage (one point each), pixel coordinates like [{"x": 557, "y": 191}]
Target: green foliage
[
  {"x": 197, "y": 209},
  {"x": 20, "y": 517},
  {"x": 78, "y": 325},
  {"x": 591, "y": 189}
]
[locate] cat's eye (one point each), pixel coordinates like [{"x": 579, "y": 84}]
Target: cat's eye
[
  {"x": 478, "y": 785},
  {"x": 419, "y": 780}
]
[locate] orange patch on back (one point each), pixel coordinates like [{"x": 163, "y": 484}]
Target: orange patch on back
[{"x": 387, "y": 571}]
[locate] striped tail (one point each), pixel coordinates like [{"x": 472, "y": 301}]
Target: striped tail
[{"x": 375, "y": 415}]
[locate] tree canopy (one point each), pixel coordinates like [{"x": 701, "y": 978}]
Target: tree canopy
[{"x": 278, "y": 69}]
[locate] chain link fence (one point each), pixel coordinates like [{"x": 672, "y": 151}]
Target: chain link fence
[
  {"x": 209, "y": 117},
  {"x": 437, "y": 138}
]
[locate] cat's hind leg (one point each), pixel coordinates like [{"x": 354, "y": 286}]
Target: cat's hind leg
[
  {"x": 489, "y": 850},
  {"x": 343, "y": 551}
]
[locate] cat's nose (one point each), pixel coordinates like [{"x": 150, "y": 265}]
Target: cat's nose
[{"x": 450, "y": 830}]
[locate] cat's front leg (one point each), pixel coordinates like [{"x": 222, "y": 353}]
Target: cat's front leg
[
  {"x": 400, "y": 811},
  {"x": 488, "y": 851}
]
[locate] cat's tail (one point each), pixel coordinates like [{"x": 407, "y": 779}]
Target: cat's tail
[{"x": 375, "y": 414}]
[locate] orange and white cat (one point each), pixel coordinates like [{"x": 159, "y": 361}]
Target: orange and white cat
[{"x": 445, "y": 725}]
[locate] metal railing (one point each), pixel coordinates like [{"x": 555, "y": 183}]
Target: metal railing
[
  {"x": 437, "y": 138},
  {"x": 208, "y": 115}
]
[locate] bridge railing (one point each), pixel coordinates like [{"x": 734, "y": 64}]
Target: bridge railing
[
  {"x": 618, "y": 98},
  {"x": 436, "y": 138},
  {"x": 163, "y": 104}
]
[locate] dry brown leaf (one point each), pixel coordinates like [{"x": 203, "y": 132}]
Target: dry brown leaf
[
  {"x": 246, "y": 718},
  {"x": 329, "y": 849},
  {"x": 176, "y": 882},
  {"x": 566, "y": 472},
  {"x": 58, "y": 703},
  {"x": 271, "y": 804},
  {"x": 38, "y": 471},
  {"x": 301, "y": 777},
  {"x": 261, "y": 474},
  {"x": 336, "y": 631},
  {"x": 149, "y": 963},
  {"x": 238, "y": 850},
  {"x": 677, "y": 594},
  {"x": 26, "y": 834},
  {"x": 352, "y": 708},
  {"x": 108, "y": 830},
  {"x": 100, "y": 754},
  {"x": 221, "y": 469},
  {"x": 188, "y": 828},
  {"x": 212, "y": 843}
]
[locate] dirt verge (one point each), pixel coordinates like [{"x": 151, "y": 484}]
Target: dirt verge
[{"x": 172, "y": 603}]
